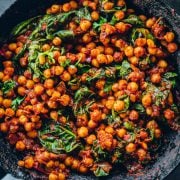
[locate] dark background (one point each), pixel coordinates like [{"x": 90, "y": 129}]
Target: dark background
[{"x": 175, "y": 175}]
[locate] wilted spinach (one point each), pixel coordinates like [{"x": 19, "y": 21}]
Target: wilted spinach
[
  {"x": 124, "y": 69},
  {"x": 134, "y": 20},
  {"x": 58, "y": 139},
  {"x": 139, "y": 107},
  {"x": 97, "y": 25},
  {"x": 170, "y": 77},
  {"x": 16, "y": 102},
  {"x": 7, "y": 86}
]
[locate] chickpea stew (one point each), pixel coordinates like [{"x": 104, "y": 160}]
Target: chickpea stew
[{"x": 88, "y": 87}]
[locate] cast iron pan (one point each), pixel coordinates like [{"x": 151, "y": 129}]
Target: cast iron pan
[{"x": 169, "y": 154}]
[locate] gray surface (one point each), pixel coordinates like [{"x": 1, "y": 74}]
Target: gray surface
[{"x": 4, "y": 4}]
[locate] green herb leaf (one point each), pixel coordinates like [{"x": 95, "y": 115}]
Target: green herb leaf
[
  {"x": 83, "y": 68},
  {"x": 84, "y": 13},
  {"x": 108, "y": 86},
  {"x": 134, "y": 20},
  {"x": 8, "y": 86},
  {"x": 99, "y": 172},
  {"x": 139, "y": 108},
  {"x": 16, "y": 102},
  {"x": 64, "y": 34},
  {"x": 170, "y": 77},
  {"x": 97, "y": 25},
  {"x": 58, "y": 139},
  {"x": 103, "y": 169},
  {"x": 129, "y": 125},
  {"x": 124, "y": 69}
]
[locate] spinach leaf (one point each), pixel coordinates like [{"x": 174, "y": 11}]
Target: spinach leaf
[
  {"x": 139, "y": 108},
  {"x": 129, "y": 125},
  {"x": 124, "y": 69},
  {"x": 16, "y": 102},
  {"x": 8, "y": 86},
  {"x": 83, "y": 68},
  {"x": 58, "y": 139},
  {"x": 134, "y": 20},
  {"x": 98, "y": 152},
  {"x": 24, "y": 26},
  {"x": 99, "y": 172},
  {"x": 83, "y": 13},
  {"x": 63, "y": 34},
  {"x": 65, "y": 63},
  {"x": 171, "y": 77},
  {"x": 141, "y": 32},
  {"x": 97, "y": 25},
  {"x": 108, "y": 86}
]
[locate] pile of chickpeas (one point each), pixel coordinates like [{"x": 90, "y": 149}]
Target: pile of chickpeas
[{"x": 45, "y": 96}]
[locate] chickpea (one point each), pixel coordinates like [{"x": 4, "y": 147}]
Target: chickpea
[
  {"x": 101, "y": 49},
  {"x": 38, "y": 89},
  {"x": 46, "y": 47},
  {"x": 152, "y": 51},
  {"x": 8, "y": 54},
  {"x": 55, "y": 8},
  {"x": 32, "y": 134},
  {"x": 54, "y": 115},
  {"x": 141, "y": 154},
  {"x": 21, "y": 80},
  {"x": 143, "y": 17},
  {"x": 119, "y": 105},
  {"x": 61, "y": 176},
  {"x": 1, "y": 76},
  {"x": 121, "y": 132},
  {"x": 4, "y": 127},
  {"x": 134, "y": 115},
  {"x": 115, "y": 87},
  {"x": 92, "y": 124},
  {"x": 95, "y": 52},
  {"x": 9, "y": 71},
  {"x": 172, "y": 47},
  {"x": 162, "y": 64},
  {"x": 119, "y": 15},
  {"x": 66, "y": 7},
  {"x": 132, "y": 87},
  {"x": 169, "y": 114},
  {"x": 140, "y": 42},
  {"x": 85, "y": 25},
  {"x": 108, "y": 50},
  {"x": 57, "y": 41},
  {"x": 72, "y": 69},
  {"x": 152, "y": 124},
  {"x": 28, "y": 162},
  {"x": 28, "y": 126},
  {"x": 82, "y": 132},
  {"x": 42, "y": 59},
  {"x": 12, "y": 46},
  {"x": 151, "y": 43},
  {"x": 122, "y": 28},
  {"x": 2, "y": 112},
  {"x": 30, "y": 84},
  {"x": 169, "y": 37},
  {"x": 109, "y": 103},
  {"x": 75, "y": 164},
  {"x": 131, "y": 147},
  {"x": 95, "y": 15},
  {"x": 53, "y": 176},
  {"x": 150, "y": 22},
  {"x": 149, "y": 110},
  {"x": 139, "y": 52},
  {"x": 143, "y": 134},
  {"x": 108, "y": 5},
  {"x": 121, "y": 3},
  {"x": 129, "y": 51},
  {"x": 95, "y": 63},
  {"x": 58, "y": 70},
  {"x": 90, "y": 139},
  {"x": 155, "y": 78},
  {"x": 157, "y": 133},
  {"x": 146, "y": 100},
  {"x": 68, "y": 161},
  {"x": 83, "y": 169},
  {"x": 101, "y": 58},
  {"x": 65, "y": 100},
  {"x": 21, "y": 163},
  {"x": 73, "y": 4},
  {"x": 110, "y": 130},
  {"x": 65, "y": 76},
  {"x": 9, "y": 112},
  {"x": 7, "y": 103},
  {"x": 122, "y": 84},
  {"x": 86, "y": 38},
  {"x": 49, "y": 83},
  {"x": 96, "y": 115},
  {"x": 7, "y": 64},
  {"x": 20, "y": 146},
  {"x": 18, "y": 50}
]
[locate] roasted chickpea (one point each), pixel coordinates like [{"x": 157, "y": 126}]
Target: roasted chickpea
[
  {"x": 38, "y": 89},
  {"x": 140, "y": 42},
  {"x": 55, "y": 8},
  {"x": 129, "y": 51},
  {"x": 108, "y": 5},
  {"x": 132, "y": 87},
  {"x": 131, "y": 147},
  {"x": 95, "y": 15},
  {"x": 150, "y": 22},
  {"x": 110, "y": 130},
  {"x": 156, "y": 78},
  {"x": 75, "y": 164},
  {"x": 28, "y": 126},
  {"x": 73, "y": 4},
  {"x": 152, "y": 124},
  {"x": 139, "y": 52},
  {"x": 57, "y": 41},
  {"x": 72, "y": 69},
  {"x": 65, "y": 76},
  {"x": 4, "y": 127},
  {"x": 119, "y": 15},
  {"x": 66, "y": 7},
  {"x": 30, "y": 84},
  {"x": 46, "y": 47},
  {"x": 7, "y": 103},
  {"x": 101, "y": 58},
  {"x": 82, "y": 132},
  {"x": 96, "y": 115},
  {"x": 20, "y": 146},
  {"x": 169, "y": 114},
  {"x": 134, "y": 115},
  {"x": 49, "y": 83},
  {"x": 157, "y": 133},
  {"x": 169, "y": 37},
  {"x": 119, "y": 105},
  {"x": 64, "y": 100},
  {"x": 92, "y": 124},
  {"x": 83, "y": 169},
  {"x": 141, "y": 154},
  {"x": 21, "y": 80},
  {"x": 12, "y": 46},
  {"x": 172, "y": 47},
  {"x": 162, "y": 64},
  {"x": 2, "y": 112},
  {"x": 53, "y": 176},
  {"x": 68, "y": 161},
  {"x": 90, "y": 139},
  {"x": 29, "y": 162},
  {"x": 85, "y": 25},
  {"x": 146, "y": 100}
]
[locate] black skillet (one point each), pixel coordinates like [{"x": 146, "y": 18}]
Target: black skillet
[{"x": 169, "y": 154}]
